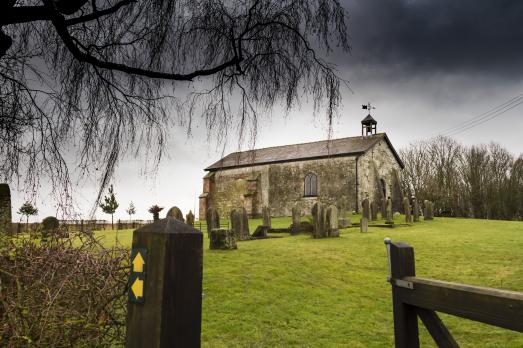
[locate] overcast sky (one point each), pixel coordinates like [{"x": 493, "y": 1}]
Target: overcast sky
[{"x": 427, "y": 66}]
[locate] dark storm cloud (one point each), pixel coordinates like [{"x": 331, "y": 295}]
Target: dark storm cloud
[{"x": 437, "y": 35}]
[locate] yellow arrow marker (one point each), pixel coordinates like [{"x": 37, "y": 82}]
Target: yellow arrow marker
[
  {"x": 137, "y": 288},
  {"x": 138, "y": 263}
]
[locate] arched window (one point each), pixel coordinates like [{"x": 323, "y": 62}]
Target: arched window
[{"x": 310, "y": 189}]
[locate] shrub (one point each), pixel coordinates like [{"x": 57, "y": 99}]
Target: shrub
[{"x": 57, "y": 294}]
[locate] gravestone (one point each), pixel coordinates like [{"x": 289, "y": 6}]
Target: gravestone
[
  {"x": 343, "y": 221},
  {"x": 384, "y": 209},
  {"x": 296, "y": 217},
  {"x": 212, "y": 219},
  {"x": 5, "y": 209},
  {"x": 240, "y": 231},
  {"x": 365, "y": 206},
  {"x": 189, "y": 218},
  {"x": 222, "y": 239},
  {"x": 318, "y": 220},
  {"x": 415, "y": 209},
  {"x": 245, "y": 222},
  {"x": 50, "y": 226},
  {"x": 266, "y": 213},
  {"x": 428, "y": 212},
  {"x": 175, "y": 213},
  {"x": 374, "y": 210},
  {"x": 390, "y": 217},
  {"x": 332, "y": 222},
  {"x": 406, "y": 208},
  {"x": 364, "y": 225}
]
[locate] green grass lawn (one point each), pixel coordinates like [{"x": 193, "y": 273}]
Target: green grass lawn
[{"x": 301, "y": 292}]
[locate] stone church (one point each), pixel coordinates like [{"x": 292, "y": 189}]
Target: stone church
[{"x": 336, "y": 171}]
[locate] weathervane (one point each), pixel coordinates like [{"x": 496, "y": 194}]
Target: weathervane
[{"x": 368, "y": 107}]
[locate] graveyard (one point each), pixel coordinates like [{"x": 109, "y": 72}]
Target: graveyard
[{"x": 299, "y": 291}]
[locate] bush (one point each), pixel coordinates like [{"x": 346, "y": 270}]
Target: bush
[{"x": 57, "y": 294}]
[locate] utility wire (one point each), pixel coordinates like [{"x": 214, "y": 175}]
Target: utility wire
[
  {"x": 487, "y": 119},
  {"x": 484, "y": 117}
]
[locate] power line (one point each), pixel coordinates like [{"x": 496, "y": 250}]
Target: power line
[
  {"x": 487, "y": 119},
  {"x": 484, "y": 117}
]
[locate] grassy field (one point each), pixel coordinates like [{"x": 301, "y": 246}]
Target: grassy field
[{"x": 301, "y": 292}]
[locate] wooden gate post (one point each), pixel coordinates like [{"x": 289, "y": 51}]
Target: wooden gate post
[
  {"x": 401, "y": 258},
  {"x": 165, "y": 286}
]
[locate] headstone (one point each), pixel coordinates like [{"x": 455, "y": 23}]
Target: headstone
[
  {"x": 415, "y": 209},
  {"x": 5, "y": 209},
  {"x": 374, "y": 210},
  {"x": 390, "y": 217},
  {"x": 50, "y": 226},
  {"x": 237, "y": 223},
  {"x": 266, "y": 213},
  {"x": 189, "y": 218},
  {"x": 428, "y": 212},
  {"x": 365, "y": 206},
  {"x": 332, "y": 221},
  {"x": 222, "y": 239},
  {"x": 212, "y": 219},
  {"x": 364, "y": 225},
  {"x": 318, "y": 220},
  {"x": 406, "y": 208},
  {"x": 296, "y": 217},
  {"x": 245, "y": 223},
  {"x": 261, "y": 232},
  {"x": 175, "y": 213},
  {"x": 384, "y": 209}
]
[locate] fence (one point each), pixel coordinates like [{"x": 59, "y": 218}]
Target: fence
[
  {"x": 202, "y": 225},
  {"x": 413, "y": 297}
]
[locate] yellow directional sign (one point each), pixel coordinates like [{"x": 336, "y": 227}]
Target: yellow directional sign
[
  {"x": 138, "y": 263},
  {"x": 137, "y": 288},
  {"x": 138, "y": 273}
]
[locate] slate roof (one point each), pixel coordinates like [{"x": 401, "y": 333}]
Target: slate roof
[
  {"x": 369, "y": 119},
  {"x": 352, "y": 146}
]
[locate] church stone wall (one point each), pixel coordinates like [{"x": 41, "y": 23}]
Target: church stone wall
[
  {"x": 378, "y": 163},
  {"x": 336, "y": 184},
  {"x": 231, "y": 189}
]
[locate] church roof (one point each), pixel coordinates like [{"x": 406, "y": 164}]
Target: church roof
[{"x": 352, "y": 146}]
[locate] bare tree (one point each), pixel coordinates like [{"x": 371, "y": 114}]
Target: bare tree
[{"x": 96, "y": 80}]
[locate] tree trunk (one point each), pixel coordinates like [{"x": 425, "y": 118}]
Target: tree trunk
[
  {"x": 112, "y": 222},
  {"x": 27, "y": 224}
]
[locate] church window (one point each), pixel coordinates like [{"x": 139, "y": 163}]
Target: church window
[{"x": 310, "y": 189}]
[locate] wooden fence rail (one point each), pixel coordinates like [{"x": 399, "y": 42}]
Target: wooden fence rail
[{"x": 413, "y": 297}]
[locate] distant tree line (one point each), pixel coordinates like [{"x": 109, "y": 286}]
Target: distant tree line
[{"x": 481, "y": 181}]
